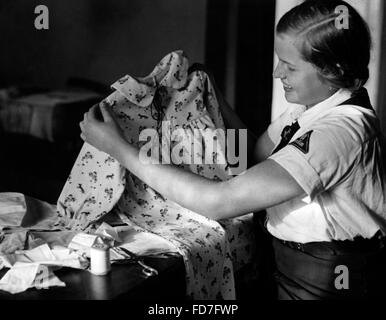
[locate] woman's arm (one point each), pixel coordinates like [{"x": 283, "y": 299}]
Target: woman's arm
[
  {"x": 262, "y": 186},
  {"x": 263, "y": 147}
]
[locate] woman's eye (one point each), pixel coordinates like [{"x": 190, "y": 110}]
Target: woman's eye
[{"x": 291, "y": 69}]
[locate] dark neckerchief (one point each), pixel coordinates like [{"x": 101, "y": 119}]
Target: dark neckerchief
[
  {"x": 359, "y": 98},
  {"x": 286, "y": 135}
]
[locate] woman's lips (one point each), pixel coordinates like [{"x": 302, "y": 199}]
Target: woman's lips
[{"x": 287, "y": 88}]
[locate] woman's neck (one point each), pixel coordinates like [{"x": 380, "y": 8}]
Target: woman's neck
[{"x": 331, "y": 93}]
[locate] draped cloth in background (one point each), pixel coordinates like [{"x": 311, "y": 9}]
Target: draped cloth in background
[{"x": 98, "y": 184}]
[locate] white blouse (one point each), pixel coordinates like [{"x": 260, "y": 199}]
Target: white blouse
[{"x": 336, "y": 158}]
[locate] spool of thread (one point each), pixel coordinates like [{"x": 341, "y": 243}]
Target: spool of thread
[{"x": 100, "y": 259}]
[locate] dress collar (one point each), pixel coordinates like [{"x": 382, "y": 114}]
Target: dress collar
[{"x": 171, "y": 72}]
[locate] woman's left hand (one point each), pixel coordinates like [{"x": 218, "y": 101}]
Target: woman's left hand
[{"x": 100, "y": 129}]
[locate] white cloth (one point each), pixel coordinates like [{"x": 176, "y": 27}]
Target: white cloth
[
  {"x": 19, "y": 212},
  {"x": 341, "y": 173},
  {"x": 33, "y": 268}
]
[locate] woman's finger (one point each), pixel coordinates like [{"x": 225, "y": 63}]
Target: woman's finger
[
  {"x": 94, "y": 113},
  {"x": 104, "y": 103},
  {"x": 106, "y": 112}
]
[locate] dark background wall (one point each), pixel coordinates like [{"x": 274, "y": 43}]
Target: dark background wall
[
  {"x": 255, "y": 63},
  {"x": 103, "y": 40},
  {"x": 97, "y": 39},
  {"x": 382, "y": 77},
  {"x": 239, "y": 50}
]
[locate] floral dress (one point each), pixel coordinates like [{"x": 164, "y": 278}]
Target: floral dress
[{"x": 179, "y": 113}]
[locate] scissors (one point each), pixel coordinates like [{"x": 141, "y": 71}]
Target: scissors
[{"x": 132, "y": 257}]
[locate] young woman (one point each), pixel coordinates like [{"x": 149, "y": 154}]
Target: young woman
[{"x": 319, "y": 170}]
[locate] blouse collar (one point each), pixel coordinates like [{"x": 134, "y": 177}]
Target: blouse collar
[{"x": 318, "y": 110}]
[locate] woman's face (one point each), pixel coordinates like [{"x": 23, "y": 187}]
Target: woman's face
[{"x": 301, "y": 81}]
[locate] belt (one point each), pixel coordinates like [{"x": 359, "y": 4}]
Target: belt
[{"x": 358, "y": 244}]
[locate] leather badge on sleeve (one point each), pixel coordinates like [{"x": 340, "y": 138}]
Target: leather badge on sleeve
[{"x": 303, "y": 142}]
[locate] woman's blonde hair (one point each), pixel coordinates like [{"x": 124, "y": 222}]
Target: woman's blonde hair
[{"x": 338, "y": 48}]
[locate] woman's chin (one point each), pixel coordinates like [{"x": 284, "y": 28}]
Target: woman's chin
[{"x": 290, "y": 97}]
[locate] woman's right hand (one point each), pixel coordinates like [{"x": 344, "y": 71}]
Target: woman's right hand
[{"x": 100, "y": 129}]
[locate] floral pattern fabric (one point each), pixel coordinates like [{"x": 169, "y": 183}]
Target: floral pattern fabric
[{"x": 182, "y": 108}]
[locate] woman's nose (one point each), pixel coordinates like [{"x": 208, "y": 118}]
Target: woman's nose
[{"x": 278, "y": 72}]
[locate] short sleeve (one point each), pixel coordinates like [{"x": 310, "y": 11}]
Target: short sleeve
[{"x": 320, "y": 158}]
